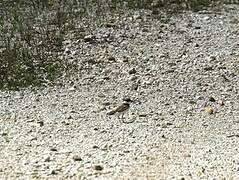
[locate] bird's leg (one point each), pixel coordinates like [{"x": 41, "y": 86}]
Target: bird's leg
[{"x": 122, "y": 118}]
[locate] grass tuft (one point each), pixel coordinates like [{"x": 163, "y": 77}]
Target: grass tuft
[{"x": 32, "y": 33}]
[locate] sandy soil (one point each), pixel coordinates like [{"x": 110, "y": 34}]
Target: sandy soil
[{"x": 183, "y": 76}]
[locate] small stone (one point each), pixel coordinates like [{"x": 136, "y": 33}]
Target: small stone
[
  {"x": 67, "y": 51},
  {"x": 69, "y": 117},
  {"x": 106, "y": 103},
  {"x": 109, "y": 25},
  {"x": 105, "y": 148},
  {"x": 206, "y": 18},
  {"x": 229, "y": 89},
  {"x": 137, "y": 16},
  {"x": 101, "y": 95},
  {"x": 41, "y": 123},
  {"x": 166, "y": 125},
  {"x": 47, "y": 159},
  {"x": 155, "y": 12},
  {"x": 132, "y": 71},
  {"x": 212, "y": 99},
  {"x": 143, "y": 115},
  {"x": 53, "y": 172},
  {"x": 189, "y": 109},
  {"x": 125, "y": 59},
  {"x": 53, "y": 149},
  {"x": 72, "y": 88},
  {"x": 192, "y": 102},
  {"x": 98, "y": 168},
  {"x": 33, "y": 139},
  {"x": 135, "y": 86},
  {"x": 145, "y": 30},
  {"x": 65, "y": 123},
  {"x": 172, "y": 64},
  {"x": 19, "y": 96},
  {"x": 133, "y": 78},
  {"x": 208, "y": 68},
  {"x": 77, "y": 158},
  {"x": 213, "y": 58},
  {"x": 169, "y": 124},
  {"x": 234, "y": 21},
  {"x": 89, "y": 38},
  {"x": 111, "y": 58},
  {"x": 95, "y": 147},
  {"x": 221, "y": 103},
  {"x": 106, "y": 78},
  {"x": 209, "y": 110},
  {"x": 4, "y": 134}
]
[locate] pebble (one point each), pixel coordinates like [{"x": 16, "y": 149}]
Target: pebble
[
  {"x": 47, "y": 159},
  {"x": 98, "y": 167},
  {"x": 53, "y": 149},
  {"x": 106, "y": 103},
  {"x": 132, "y": 71},
  {"x": 135, "y": 86},
  {"x": 77, "y": 158},
  {"x": 69, "y": 117},
  {"x": 4, "y": 134},
  {"x": 209, "y": 110},
  {"x": 41, "y": 123},
  {"x": 89, "y": 38},
  {"x": 133, "y": 78},
  {"x": 111, "y": 58},
  {"x": 221, "y": 103},
  {"x": 196, "y": 45},
  {"x": 125, "y": 60},
  {"x": 72, "y": 88},
  {"x": 95, "y": 147},
  {"x": 109, "y": 25},
  {"x": 206, "y": 18},
  {"x": 209, "y": 68},
  {"x": 53, "y": 172},
  {"x": 67, "y": 51},
  {"x": 212, "y": 99}
]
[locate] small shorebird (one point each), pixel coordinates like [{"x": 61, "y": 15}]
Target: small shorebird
[{"x": 122, "y": 109}]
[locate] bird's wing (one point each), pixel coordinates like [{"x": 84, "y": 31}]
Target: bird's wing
[{"x": 111, "y": 112}]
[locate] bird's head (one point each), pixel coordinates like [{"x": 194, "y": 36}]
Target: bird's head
[{"x": 127, "y": 100}]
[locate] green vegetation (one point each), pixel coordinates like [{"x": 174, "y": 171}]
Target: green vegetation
[
  {"x": 32, "y": 33},
  {"x": 28, "y": 46}
]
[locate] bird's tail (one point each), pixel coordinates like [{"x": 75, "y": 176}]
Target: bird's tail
[{"x": 111, "y": 112}]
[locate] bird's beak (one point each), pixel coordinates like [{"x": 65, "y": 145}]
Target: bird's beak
[{"x": 129, "y": 100}]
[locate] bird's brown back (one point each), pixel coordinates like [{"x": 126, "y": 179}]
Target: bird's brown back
[{"x": 122, "y": 107}]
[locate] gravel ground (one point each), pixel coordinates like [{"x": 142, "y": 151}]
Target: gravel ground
[{"x": 183, "y": 76}]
